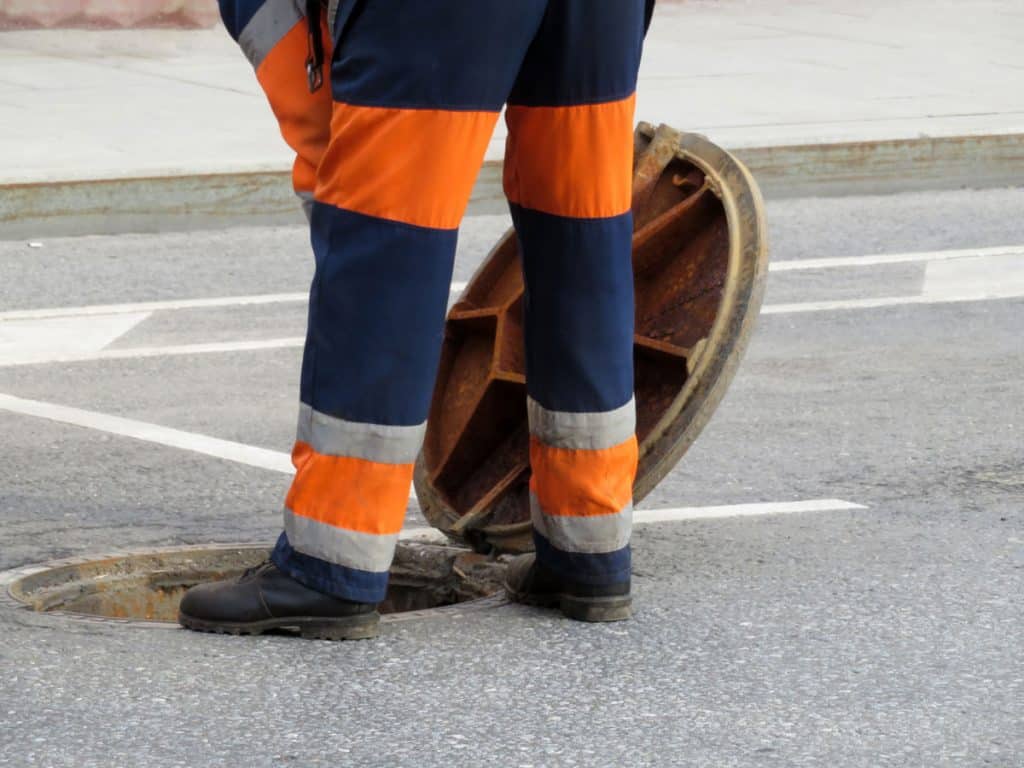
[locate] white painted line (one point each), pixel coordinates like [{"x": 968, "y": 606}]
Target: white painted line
[
  {"x": 682, "y": 514},
  {"x": 277, "y": 461},
  {"x": 240, "y": 453},
  {"x": 282, "y": 298},
  {"x": 170, "y": 305},
  {"x": 150, "y": 433},
  {"x": 832, "y": 306},
  {"x": 983, "y": 277},
  {"x": 153, "y": 306},
  {"x": 888, "y": 301},
  {"x": 129, "y": 353},
  {"x": 54, "y": 338},
  {"x": 970, "y": 277},
  {"x": 1011, "y": 288},
  {"x": 893, "y": 258}
]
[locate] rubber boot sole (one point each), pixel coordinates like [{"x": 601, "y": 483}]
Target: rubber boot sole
[
  {"x": 360, "y": 627},
  {"x": 592, "y": 609}
]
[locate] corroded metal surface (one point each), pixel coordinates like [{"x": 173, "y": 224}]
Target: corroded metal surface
[
  {"x": 147, "y": 586},
  {"x": 699, "y": 260}
]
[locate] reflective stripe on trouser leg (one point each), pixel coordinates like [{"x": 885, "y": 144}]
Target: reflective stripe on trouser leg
[
  {"x": 581, "y": 492},
  {"x": 406, "y": 145},
  {"x": 568, "y": 174},
  {"x": 345, "y": 508},
  {"x": 581, "y": 502},
  {"x": 273, "y": 36}
]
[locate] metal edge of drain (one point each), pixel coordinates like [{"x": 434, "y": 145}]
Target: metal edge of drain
[
  {"x": 9, "y": 598},
  {"x": 737, "y": 314}
]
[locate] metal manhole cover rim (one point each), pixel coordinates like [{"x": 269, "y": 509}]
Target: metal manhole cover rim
[{"x": 11, "y": 578}]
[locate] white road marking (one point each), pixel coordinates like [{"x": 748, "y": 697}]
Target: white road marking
[
  {"x": 980, "y": 277},
  {"x": 893, "y": 258},
  {"x": 40, "y": 341},
  {"x": 693, "y": 514},
  {"x": 162, "y": 306},
  {"x": 240, "y": 453},
  {"x": 841, "y": 304},
  {"x": 129, "y": 353},
  {"x": 1008, "y": 289},
  {"x": 276, "y": 461},
  {"x": 58, "y": 335},
  {"x": 282, "y": 298},
  {"x": 150, "y": 433},
  {"x": 971, "y": 276},
  {"x": 682, "y": 514},
  {"x": 153, "y": 306}
]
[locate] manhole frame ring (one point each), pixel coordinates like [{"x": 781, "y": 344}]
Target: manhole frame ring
[{"x": 9, "y": 580}]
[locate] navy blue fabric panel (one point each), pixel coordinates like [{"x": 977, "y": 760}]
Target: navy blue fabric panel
[
  {"x": 586, "y": 52},
  {"x": 442, "y": 54},
  {"x": 579, "y": 309},
  {"x": 599, "y": 570},
  {"x": 308, "y": 354},
  {"x": 338, "y": 580},
  {"x": 376, "y": 316},
  {"x": 237, "y": 13}
]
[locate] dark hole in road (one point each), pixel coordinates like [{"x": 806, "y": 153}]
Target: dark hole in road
[{"x": 147, "y": 586}]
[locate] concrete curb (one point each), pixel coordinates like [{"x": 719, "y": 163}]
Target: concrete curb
[{"x": 205, "y": 201}]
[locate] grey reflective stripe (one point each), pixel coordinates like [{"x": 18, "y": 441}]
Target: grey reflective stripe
[
  {"x": 332, "y": 14},
  {"x": 307, "y": 204},
  {"x": 382, "y": 443},
  {"x": 352, "y": 549},
  {"x": 267, "y": 26},
  {"x": 588, "y": 535},
  {"x": 588, "y": 431}
]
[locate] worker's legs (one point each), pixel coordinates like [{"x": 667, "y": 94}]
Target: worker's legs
[
  {"x": 417, "y": 89},
  {"x": 274, "y": 35},
  {"x": 568, "y": 173}
]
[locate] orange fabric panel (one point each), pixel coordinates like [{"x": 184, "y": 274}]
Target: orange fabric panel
[
  {"x": 415, "y": 166},
  {"x": 580, "y": 483},
  {"x": 571, "y": 161},
  {"x": 356, "y": 494},
  {"x": 304, "y": 117}
]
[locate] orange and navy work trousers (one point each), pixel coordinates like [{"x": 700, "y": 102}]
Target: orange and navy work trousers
[{"x": 389, "y": 149}]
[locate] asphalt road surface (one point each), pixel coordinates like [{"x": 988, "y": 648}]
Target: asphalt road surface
[{"x": 883, "y": 627}]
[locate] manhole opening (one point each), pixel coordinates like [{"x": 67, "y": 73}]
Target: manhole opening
[{"x": 147, "y": 586}]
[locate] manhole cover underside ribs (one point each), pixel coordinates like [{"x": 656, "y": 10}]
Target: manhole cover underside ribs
[{"x": 699, "y": 262}]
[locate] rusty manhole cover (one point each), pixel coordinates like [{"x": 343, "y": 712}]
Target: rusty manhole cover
[
  {"x": 147, "y": 586},
  {"x": 699, "y": 260}
]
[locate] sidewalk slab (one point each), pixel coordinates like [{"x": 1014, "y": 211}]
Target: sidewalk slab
[{"x": 818, "y": 98}]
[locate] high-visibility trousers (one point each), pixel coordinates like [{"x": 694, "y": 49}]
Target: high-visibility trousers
[{"x": 386, "y": 156}]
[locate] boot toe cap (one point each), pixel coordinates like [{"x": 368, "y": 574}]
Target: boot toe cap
[{"x": 200, "y": 602}]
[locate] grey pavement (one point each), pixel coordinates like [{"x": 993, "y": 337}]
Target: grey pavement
[
  {"x": 747, "y": 74},
  {"x": 884, "y": 636}
]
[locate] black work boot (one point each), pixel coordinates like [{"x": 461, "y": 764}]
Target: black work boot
[
  {"x": 263, "y": 598},
  {"x": 529, "y": 582}
]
